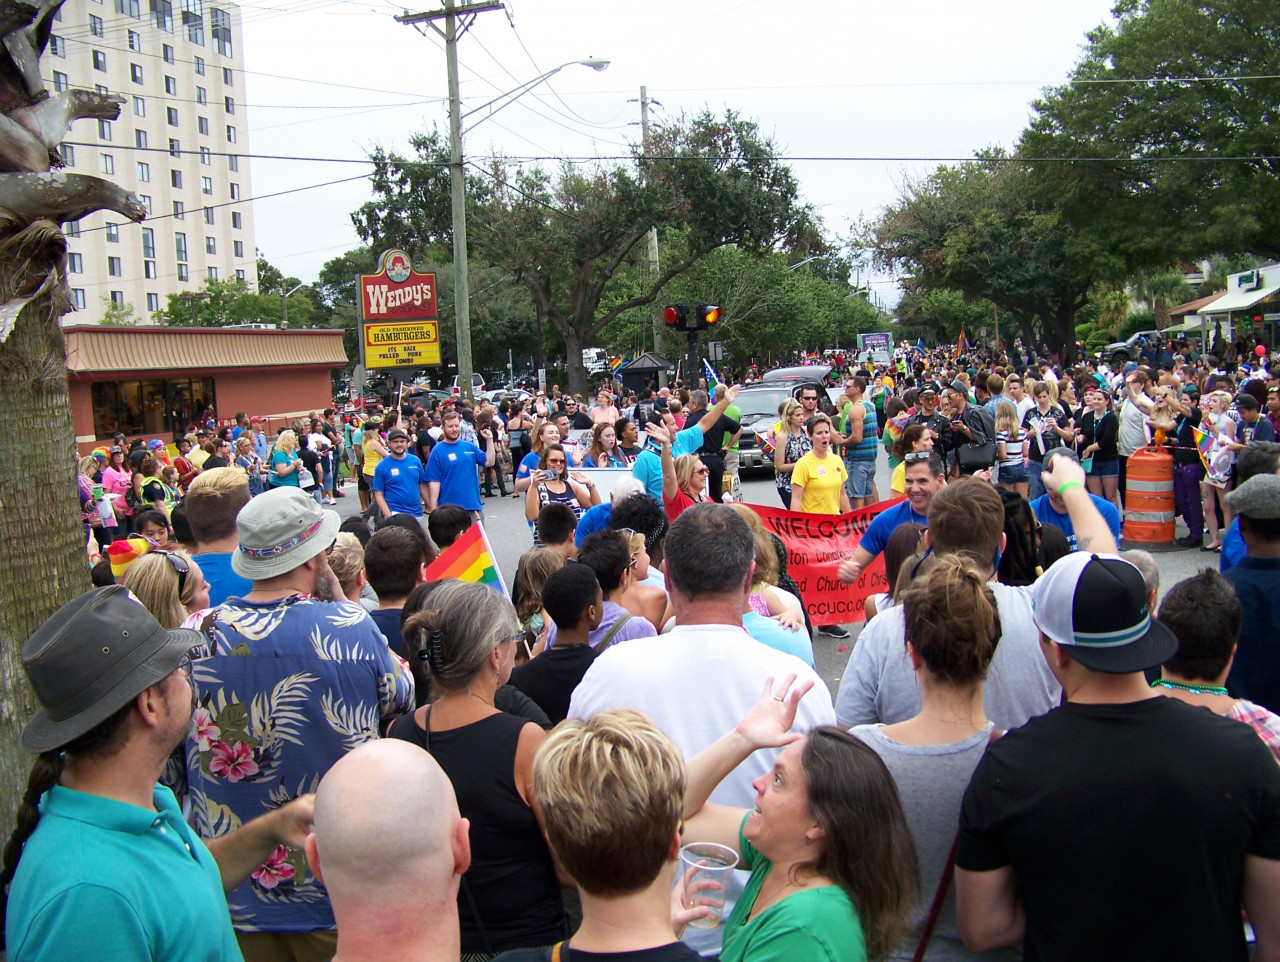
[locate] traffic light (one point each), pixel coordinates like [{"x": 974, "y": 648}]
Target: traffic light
[
  {"x": 708, "y": 314},
  {"x": 676, "y": 316}
]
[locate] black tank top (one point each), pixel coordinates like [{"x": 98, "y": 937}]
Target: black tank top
[{"x": 512, "y": 880}]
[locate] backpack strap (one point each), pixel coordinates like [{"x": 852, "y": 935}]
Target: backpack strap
[{"x": 607, "y": 640}]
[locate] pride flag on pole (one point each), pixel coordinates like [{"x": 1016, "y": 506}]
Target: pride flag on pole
[
  {"x": 959, "y": 345},
  {"x": 470, "y": 558},
  {"x": 710, "y": 374}
]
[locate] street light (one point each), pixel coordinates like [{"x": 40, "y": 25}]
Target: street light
[
  {"x": 284, "y": 302},
  {"x": 511, "y": 96}
]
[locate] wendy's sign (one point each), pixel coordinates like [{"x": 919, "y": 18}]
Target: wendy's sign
[{"x": 397, "y": 312}]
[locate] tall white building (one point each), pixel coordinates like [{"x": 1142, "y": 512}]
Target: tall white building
[{"x": 179, "y": 144}]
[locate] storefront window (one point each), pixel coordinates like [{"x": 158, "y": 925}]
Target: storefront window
[{"x": 149, "y": 407}]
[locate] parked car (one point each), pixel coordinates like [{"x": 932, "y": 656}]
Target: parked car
[
  {"x": 1125, "y": 351},
  {"x": 813, "y": 373},
  {"x": 477, "y": 384}
]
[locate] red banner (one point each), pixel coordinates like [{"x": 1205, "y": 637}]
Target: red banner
[{"x": 816, "y": 544}]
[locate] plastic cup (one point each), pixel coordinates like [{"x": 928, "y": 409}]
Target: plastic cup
[{"x": 706, "y": 868}]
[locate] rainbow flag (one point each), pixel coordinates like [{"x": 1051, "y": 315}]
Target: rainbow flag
[
  {"x": 617, "y": 362},
  {"x": 1204, "y": 444},
  {"x": 960, "y": 342},
  {"x": 470, "y": 558},
  {"x": 125, "y": 552}
]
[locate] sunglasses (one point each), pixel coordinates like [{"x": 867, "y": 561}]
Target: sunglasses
[
  {"x": 556, "y": 464},
  {"x": 180, "y": 568},
  {"x": 915, "y": 457},
  {"x": 185, "y": 665}
]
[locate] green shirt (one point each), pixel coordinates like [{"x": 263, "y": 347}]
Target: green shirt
[
  {"x": 731, "y": 412},
  {"x": 814, "y": 925}
]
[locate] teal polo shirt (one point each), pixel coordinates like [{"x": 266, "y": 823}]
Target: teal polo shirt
[{"x": 104, "y": 879}]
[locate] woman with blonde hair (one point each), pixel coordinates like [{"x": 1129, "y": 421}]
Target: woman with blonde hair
[
  {"x": 346, "y": 561},
  {"x": 790, "y": 444},
  {"x": 285, "y": 463},
  {"x": 683, "y": 478},
  {"x": 169, "y": 584},
  {"x": 604, "y": 411},
  {"x": 644, "y": 601}
]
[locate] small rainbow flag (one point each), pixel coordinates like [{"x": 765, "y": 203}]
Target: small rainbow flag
[
  {"x": 617, "y": 362},
  {"x": 470, "y": 558},
  {"x": 125, "y": 552}
]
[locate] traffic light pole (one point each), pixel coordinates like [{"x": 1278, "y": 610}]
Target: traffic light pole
[{"x": 693, "y": 363}]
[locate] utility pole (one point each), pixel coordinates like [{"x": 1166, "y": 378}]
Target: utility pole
[
  {"x": 653, "y": 240},
  {"x": 457, "y": 182}
]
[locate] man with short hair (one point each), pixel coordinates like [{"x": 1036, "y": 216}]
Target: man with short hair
[
  {"x": 452, "y": 476},
  {"x": 1049, "y": 508},
  {"x": 241, "y": 425},
  {"x": 859, "y": 441},
  {"x": 1121, "y": 824},
  {"x": 393, "y": 566},
  {"x": 555, "y": 528},
  {"x": 995, "y": 388},
  {"x": 965, "y": 518},
  {"x": 213, "y": 500},
  {"x": 391, "y": 849},
  {"x": 1253, "y": 426},
  {"x": 288, "y": 684},
  {"x": 934, "y": 420},
  {"x": 105, "y": 865},
  {"x": 399, "y": 481},
  {"x": 663, "y": 676},
  {"x": 970, "y": 424},
  {"x": 579, "y": 420},
  {"x": 648, "y": 466},
  {"x": 923, "y": 476},
  {"x": 1013, "y": 388}
]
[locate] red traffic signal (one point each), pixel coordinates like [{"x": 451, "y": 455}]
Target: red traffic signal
[
  {"x": 708, "y": 314},
  {"x": 676, "y": 316}
]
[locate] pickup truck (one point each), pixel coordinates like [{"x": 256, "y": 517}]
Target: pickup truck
[{"x": 1125, "y": 351}]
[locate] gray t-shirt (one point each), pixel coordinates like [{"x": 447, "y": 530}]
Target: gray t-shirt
[
  {"x": 880, "y": 686},
  {"x": 931, "y": 781}
]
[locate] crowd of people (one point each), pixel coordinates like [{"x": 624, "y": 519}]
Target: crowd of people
[{"x": 270, "y": 735}]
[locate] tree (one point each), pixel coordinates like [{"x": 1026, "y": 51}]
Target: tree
[
  {"x": 1161, "y": 290},
  {"x": 1171, "y": 115},
  {"x": 565, "y": 238},
  {"x": 117, "y": 315},
  {"x": 222, "y": 303}
]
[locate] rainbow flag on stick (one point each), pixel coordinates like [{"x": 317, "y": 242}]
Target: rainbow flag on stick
[
  {"x": 1205, "y": 445},
  {"x": 470, "y": 558}
]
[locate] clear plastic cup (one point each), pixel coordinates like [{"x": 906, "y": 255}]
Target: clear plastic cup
[{"x": 706, "y": 868}]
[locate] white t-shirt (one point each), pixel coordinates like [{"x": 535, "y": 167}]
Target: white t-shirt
[
  {"x": 1133, "y": 429},
  {"x": 1023, "y": 406},
  {"x": 879, "y": 686},
  {"x": 696, "y": 682}
]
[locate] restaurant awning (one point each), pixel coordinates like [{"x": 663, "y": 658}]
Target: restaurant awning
[
  {"x": 108, "y": 350},
  {"x": 1234, "y": 301}
]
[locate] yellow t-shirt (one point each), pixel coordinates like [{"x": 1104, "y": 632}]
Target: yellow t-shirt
[
  {"x": 822, "y": 481},
  {"x": 371, "y": 457},
  {"x": 197, "y": 456},
  {"x": 898, "y": 483}
]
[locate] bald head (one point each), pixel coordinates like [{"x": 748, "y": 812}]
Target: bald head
[{"x": 386, "y": 819}]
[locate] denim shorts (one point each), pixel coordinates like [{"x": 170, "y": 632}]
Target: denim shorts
[
  {"x": 1013, "y": 473},
  {"x": 1105, "y": 469},
  {"x": 862, "y": 478}
]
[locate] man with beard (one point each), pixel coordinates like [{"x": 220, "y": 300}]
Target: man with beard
[
  {"x": 452, "y": 469},
  {"x": 107, "y": 866},
  {"x": 287, "y": 685}
]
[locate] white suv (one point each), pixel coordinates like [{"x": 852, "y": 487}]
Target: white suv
[{"x": 477, "y": 384}]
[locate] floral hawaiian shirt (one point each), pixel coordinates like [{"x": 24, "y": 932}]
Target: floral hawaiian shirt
[{"x": 285, "y": 689}]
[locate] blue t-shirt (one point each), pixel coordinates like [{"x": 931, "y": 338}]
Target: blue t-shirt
[
  {"x": 886, "y": 523},
  {"x": 769, "y": 632},
  {"x": 1044, "y": 511},
  {"x": 1255, "y": 672},
  {"x": 223, "y": 582},
  {"x": 595, "y": 518},
  {"x": 289, "y": 480},
  {"x": 398, "y": 480},
  {"x": 648, "y": 466},
  {"x": 528, "y": 464},
  {"x": 1233, "y": 548},
  {"x": 454, "y": 467}
]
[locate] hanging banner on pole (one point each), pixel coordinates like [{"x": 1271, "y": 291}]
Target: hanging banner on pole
[
  {"x": 397, "y": 314},
  {"x": 816, "y": 544}
]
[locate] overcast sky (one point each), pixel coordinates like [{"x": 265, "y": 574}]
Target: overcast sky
[{"x": 910, "y": 79}]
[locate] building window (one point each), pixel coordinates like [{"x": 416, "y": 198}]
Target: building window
[
  {"x": 108, "y": 163},
  {"x": 139, "y": 103},
  {"x": 193, "y": 21},
  {"x": 148, "y": 242},
  {"x": 115, "y": 267},
  {"x": 130, "y": 8},
  {"x": 202, "y": 125},
  {"x": 202, "y": 95},
  {"x": 231, "y": 134},
  {"x": 71, "y": 228},
  {"x": 199, "y": 62},
  {"x": 235, "y": 191},
  {"x": 228, "y": 76},
  {"x": 77, "y": 298},
  {"x": 167, "y": 50},
  {"x": 140, "y": 139},
  {"x": 149, "y": 269},
  {"x": 95, "y": 26},
  {"x": 104, "y": 130},
  {"x": 117, "y": 298},
  {"x": 57, "y": 46},
  {"x": 211, "y": 245},
  {"x": 175, "y": 148},
  {"x": 162, "y": 19},
  {"x": 183, "y": 274},
  {"x": 171, "y": 86},
  {"x": 145, "y": 200},
  {"x": 238, "y": 248},
  {"x": 60, "y": 81},
  {"x": 68, "y": 153},
  {"x": 135, "y": 40},
  {"x": 75, "y": 263},
  {"x": 102, "y": 89},
  {"x": 235, "y": 219},
  {"x": 208, "y": 215},
  {"x": 144, "y": 172},
  {"x": 113, "y": 233},
  {"x": 220, "y": 28},
  {"x": 99, "y": 60},
  {"x": 233, "y": 162},
  {"x": 179, "y": 213},
  {"x": 175, "y": 179},
  {"x": 151, "y": 406},
  {"x": 206, "y": 185},
  {"x": 230, "y": 103},
  {"x": 180, "y": 245},
  {"x": 206, "y": 156},
  {"x": 171, "y": 114},
  {"x": 213, "y": 273},
  {"x": 153, "y": 305},
  {"x": 239, "y": 274}
]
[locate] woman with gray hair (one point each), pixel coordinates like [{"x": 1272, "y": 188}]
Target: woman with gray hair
[{"x": 466, "y": 638}]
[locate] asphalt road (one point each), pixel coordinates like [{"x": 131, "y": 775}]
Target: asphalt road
[{"x": 510, "y": 538}]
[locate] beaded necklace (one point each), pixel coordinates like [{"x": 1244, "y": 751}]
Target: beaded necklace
[{"x": 1194, "y": 689}]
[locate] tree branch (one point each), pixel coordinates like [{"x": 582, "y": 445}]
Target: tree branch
[{"x": 640, "y": 300}]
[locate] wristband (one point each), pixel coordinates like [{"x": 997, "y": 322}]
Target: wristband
[{"x": 1069, "y": 484}]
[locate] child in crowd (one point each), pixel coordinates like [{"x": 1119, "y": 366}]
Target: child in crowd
[
  {"x": 447, "y": 523},
  {"x": 556, "y": 526}
]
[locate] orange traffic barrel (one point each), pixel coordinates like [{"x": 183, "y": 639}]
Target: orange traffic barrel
[{"x": 1148, "y": 497}]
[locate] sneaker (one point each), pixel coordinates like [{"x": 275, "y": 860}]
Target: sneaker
[
  {"x": 834, "y": 631},
  {"x": 340, "y": 494}
]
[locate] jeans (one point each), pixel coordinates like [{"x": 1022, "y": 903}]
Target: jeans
[
  {"x": 1186, "y": 497},
  {"x": 1035, "y": 487},
  {"x": 862, "y": 477}
]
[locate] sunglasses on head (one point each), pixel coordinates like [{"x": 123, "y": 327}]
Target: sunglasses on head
[
  {"x": 180, "y": 568},
  {"x": 915, "y": 457}
]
